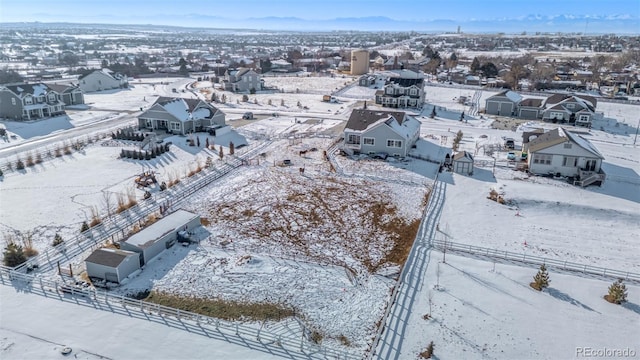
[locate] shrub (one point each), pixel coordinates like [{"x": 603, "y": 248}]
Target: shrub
[
  {"x": 617, "y": 293},
  {"x": 84, "y": 227},
  {"x": 57, "y": 240},
  {"x": 19, "y": 165},
  {"x": 245, "y": 98},
  {"x": 1, "y": 173},
  {"x": 67, "y": 150},
  {"x": 231, "y": 148},
  {"x": 13, "y": 255},
  {"x": 58, "y": 152},
  {"x": 428, "y": 353},
  {"x": 30, "y": 161},
  {"x": 541, "y": 280},
  {"x": 38, "y": 158}
]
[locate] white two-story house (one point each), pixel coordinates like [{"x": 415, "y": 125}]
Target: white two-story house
[
  {"x": 103, "y": 79},
  {"x": 181, "y": 116},
  {"x": 403, "y": 89}
]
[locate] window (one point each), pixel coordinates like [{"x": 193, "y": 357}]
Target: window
[
  {"x": 571, "y": 106},
  {"x": 52, "y": 97},
  {"x": 175, "y": 125},
  {"x": 542, "y": 159},
  {"x": 28, "y": 100},
  {"x": 149, "y": 123},
  {"x": 583, "y": 118},
  {"x": 567, "y": 145},
  {"x": 353, "y": 139},
  {"x": 369, "y": 141},
  {"x": 13, "y": 101},
  {"x": 389, "y": 90},
  {"x": 556, "y": 115},
  {"x": 570, "y": 161},
  {"x": 394, "y": 143},
  {"x": 413, "y": 92}
]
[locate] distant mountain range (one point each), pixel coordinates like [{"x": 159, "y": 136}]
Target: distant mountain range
[{"x": 617, "y": 24}]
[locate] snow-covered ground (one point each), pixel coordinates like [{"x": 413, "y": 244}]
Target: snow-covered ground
[
  {"x": 308, "y": 240},
  {"x": 484, "y": 312}
]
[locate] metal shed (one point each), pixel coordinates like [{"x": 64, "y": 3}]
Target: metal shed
[
  {"x": 161, "y": 235},
  {"x": 112, "y": 264}
]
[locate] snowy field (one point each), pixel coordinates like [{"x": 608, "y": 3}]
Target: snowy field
[
  {"x": 309, "y": 239},
  {"x": 484, "y": 312}
]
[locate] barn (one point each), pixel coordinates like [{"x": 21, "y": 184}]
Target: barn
[
  {"x": 463, "y": 163},
  {"x": 161, "y": 235},
  {"x": 112, "y": 264}
]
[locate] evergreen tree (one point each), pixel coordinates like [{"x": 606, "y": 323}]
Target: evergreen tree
[
  {"x": 13, "y": 255},
  {"x": 57, "y": 240},
  {"x": 245, "y": 98},
  {"x": 84, "y": 227},
  {"x": 223, "y": 99},
  {"x": 220, "y": 153},
  {"x": 231, "y": 148},
  {"x": 206, "y": 143},
  {"x": 198, "y": 141},
  {"x": 462, "y": 116},
  {"x": 541, "y": 280},
  {"x": 433, "y": 112},
  {"x": 475, "y": 65},
  {"x": 617, "y": 292}
]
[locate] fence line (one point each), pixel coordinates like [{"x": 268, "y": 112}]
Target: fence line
[
  {"x": 443, "y": 245},
  {"x": 48, "y": 152},
  {"x": 305, "y": 349}
]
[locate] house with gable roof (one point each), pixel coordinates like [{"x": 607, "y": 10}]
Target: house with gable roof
[
  {"x": 376, "y": 131},
  {"x": 242, "y": 80},
  {"x": 561, "y": 152},
  {"x": 402, "y": 89},
  {"x": 30, "y": 102},
  {"x": 103, "y": 79},
  {"x": 71, "y": 94},
  {"x": 578, "y": 109},
  {"x": 180, "y": 116},
  {"x": 504, "y": 103}
]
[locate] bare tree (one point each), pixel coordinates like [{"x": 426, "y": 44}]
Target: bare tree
[{"x": 107, "y": 202}]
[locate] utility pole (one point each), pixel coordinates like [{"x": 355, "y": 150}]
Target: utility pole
[{"x": 636, "y": 138}]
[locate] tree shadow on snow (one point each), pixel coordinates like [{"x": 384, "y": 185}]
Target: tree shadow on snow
[
  {"x": 566, "y": 297},
  {"x": 631, "y": 306}
]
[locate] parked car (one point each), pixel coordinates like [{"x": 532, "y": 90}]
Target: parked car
[
  {"x": 509, "y": 143},
  {"x": 511, "y": 155},
  {"x": 286, "y": 162},
  {"x": 247, "y": 116}
]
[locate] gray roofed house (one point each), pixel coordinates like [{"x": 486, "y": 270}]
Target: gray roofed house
[
  {"x": 71, "y": 94},
  {"x": 530, "y": 108},
  {"x": 578, "y": 109},
  {"x": 561, "y": 152},
  {"x": 103, "y": 79},
  {"x": 180, "y": 115},
  {"x": 503, "y": 104},
  {"x": 377, "y": 131},
  {"x": 242, "y": 80},
  {"x": 30, "y": 102}
]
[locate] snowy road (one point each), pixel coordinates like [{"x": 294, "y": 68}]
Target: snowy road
[{"x": 389, "y": 345}]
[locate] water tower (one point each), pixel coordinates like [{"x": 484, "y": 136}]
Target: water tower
[{"x": 359, "y": 62}]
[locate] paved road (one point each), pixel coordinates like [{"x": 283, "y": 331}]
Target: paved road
[{"x": 394, "y": 331}]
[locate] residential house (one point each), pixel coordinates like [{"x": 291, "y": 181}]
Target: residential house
[
  {"x": 504, "y": 103},
  {"x": 560, "y": 152},
  {"x": 242, "y": 80},
  {"x": 30, "y": 102},
  {"x": 463, "y": 163},
  {"x": 180, "y": 116},
  {"x": 71, "y": 94},
  {"x": 112, "y": 265},
  {"x": 375, "y": 131},
  {"x": 578, "y": 109},
  {"x": 103, "y": 79},
  {"x": 530, "y": 108},
  {"x": 403, "y": 89},
  {"x": 161, "y": 235}
]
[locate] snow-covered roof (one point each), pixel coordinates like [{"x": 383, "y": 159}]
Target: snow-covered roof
[
  {"x": 407, "y": 129},
  {"x": 186, "y": 109},
  {"x": 584, "y": 143},
  {"x": 109, "y": 257},
  {"x": 148, "y": 236}
]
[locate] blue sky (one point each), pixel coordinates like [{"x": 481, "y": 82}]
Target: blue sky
[{"x": 143, "y": 12}]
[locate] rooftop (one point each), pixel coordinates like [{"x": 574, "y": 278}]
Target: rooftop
[{"x": 149, "y": 235}]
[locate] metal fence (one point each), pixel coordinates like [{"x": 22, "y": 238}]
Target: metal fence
[
  {"x": 523, "y": 258},
  {"x": 280, "y": 344}
]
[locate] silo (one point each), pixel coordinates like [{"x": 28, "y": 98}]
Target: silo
[{"x": 359, "y": 62}]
